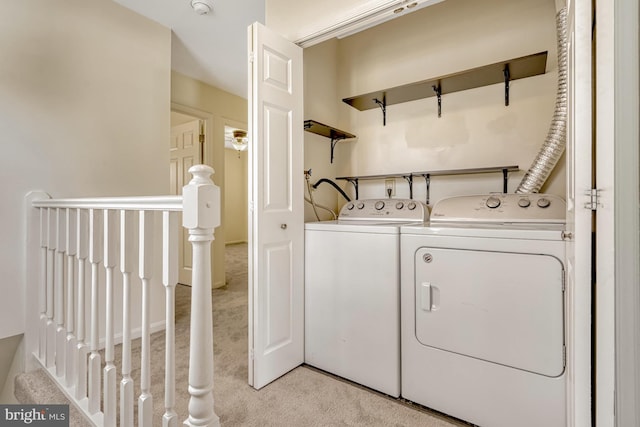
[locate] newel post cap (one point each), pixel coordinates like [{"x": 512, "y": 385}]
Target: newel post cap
[{"x": 201, "y": 200}]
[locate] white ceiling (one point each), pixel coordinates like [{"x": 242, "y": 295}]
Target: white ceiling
[{"x": 211, "y": 48}]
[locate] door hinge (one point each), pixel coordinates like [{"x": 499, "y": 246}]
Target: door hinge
[
  {"x": 252, "y": 57},
  {"x": 251, "y": 354},
  {"x": 594, "y": 199},
  {"x": 564, "y": 355}
]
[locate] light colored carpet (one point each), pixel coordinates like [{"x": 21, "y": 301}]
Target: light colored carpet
[{"x": 304, "y": 397}]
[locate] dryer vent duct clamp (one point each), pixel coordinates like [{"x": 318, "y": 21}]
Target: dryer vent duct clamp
[{"x": 555, "y": 142}]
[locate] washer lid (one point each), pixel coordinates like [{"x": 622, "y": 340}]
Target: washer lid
[
  {"x": 359, "y": 226},
  {"x": 501, "y": 208}
]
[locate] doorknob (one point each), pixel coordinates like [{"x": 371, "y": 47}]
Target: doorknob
[{"x": 283, "y": 226}]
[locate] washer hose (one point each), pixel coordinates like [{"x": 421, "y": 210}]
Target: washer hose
[
  {"x": 320, "y": 181},
  {"x": 307, "y": 175},
  {"x": 555, "y": 142}
]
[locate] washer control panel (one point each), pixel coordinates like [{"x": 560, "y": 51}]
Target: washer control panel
[
  {"x": 385, "y": 209},
  {"x": 504, "y": 208}
]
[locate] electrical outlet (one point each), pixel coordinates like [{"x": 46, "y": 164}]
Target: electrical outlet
[{"x": 389, "y": 187}]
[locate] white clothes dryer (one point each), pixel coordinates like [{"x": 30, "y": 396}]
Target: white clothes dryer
[
  {"x": 352, "y": 291},
  {"x": 482, "y": 303}
]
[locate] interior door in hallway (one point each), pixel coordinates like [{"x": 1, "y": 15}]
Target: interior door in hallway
[
  {"x": 184, "y": 152},
  {"x": 276, "y": 223}
]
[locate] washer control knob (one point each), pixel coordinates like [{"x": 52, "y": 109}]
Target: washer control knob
[
  {"x": 350, "y": 206},
  {"x": 379, "y": 205},
  {"x": 493, "y": 202},
  {"x": 524, "y": 202},
  {"x": 360, "y": 205},
  {"x": 411, "y": 205},
  {"x": 399, "y": 205},
  {"x": 544, "y": 202}
]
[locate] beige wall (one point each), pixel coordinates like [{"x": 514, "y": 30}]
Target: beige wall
[
  {"x": 84, "y": 90},
  {"x": 235, "y": 196},
  {"x": 222, "y": 108},
  {"x": 476, "y": 129},
  {"x": 320, "y": 95}
]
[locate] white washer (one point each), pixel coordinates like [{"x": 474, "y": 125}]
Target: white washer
[
  {"x": 483, "y": 300},
  {"x": 352, "y": 291}
]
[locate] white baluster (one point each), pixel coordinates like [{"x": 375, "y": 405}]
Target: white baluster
[
  {"x": 145, "y": 400},
  {"x": 169, "y": 279},
  {"x": 70, "y": 345},
  {"x": 51, "y": 248},
  {"x": 82, "y": 348},
  {"x": 127, "y": 260},
  {"x": 61, "y": 334},
  {"x": 95, "y": 257},
  {"x": 201, "y": 205},
  {"x": 110, "y": 256},
  {"x": 42, "y": 329}
]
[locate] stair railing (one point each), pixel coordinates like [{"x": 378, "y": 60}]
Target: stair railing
[{"x": 116, "y": 235}]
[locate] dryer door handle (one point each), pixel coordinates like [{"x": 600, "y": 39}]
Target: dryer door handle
[{"x": 425, "y": 296}]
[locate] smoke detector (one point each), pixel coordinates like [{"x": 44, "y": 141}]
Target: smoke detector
[{"x": 202, "y": 7}]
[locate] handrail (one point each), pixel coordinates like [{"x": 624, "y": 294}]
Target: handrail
[{"x": 152, "y": 203}]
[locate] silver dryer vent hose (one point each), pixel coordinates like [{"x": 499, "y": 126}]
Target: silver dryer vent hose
[{"x": 555, "y": 142}]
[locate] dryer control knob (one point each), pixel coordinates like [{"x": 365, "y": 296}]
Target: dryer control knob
[
  {"x": 350, "y": 206},
  {"x": 524, "y": 202},
  {"x": 399, "y": 205},
  {"x": 379, "y": 205},
  {"x": 411, "y": 205},
  {"x": 493, "y": 202},
  {"x": 360, "y": 205},
  {"x": 544, "y": 203}
]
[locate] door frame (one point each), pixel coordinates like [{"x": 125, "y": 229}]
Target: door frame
[
  {"x": 211, "y": 126},
  {"x": 208, "y": 127},
  {"x": 617, "y": 223}
]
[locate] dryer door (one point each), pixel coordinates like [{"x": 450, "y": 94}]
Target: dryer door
[{"x": 505, "y": 308}]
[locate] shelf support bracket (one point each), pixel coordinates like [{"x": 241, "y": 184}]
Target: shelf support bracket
[
  {"x": 354, "y": 182},
  {"x": 505, "y": 180},
  {"x": 334, "y": 141},
  {"x": 409, "y": 179},
  {"x": 427, "y": 181},
  {"x": 438, "y": 91},
  {"x": 507, "y": 79},
  {"x": 383, "y": 106}
]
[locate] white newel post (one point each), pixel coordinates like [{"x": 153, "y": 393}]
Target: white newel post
[{"x": 201, "y": 214}]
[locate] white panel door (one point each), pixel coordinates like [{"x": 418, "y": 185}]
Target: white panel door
[
  {"x": 579, "y": 218},
  {"x": 276, "y": 219},
  {"x": 184, "y": 152}
]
